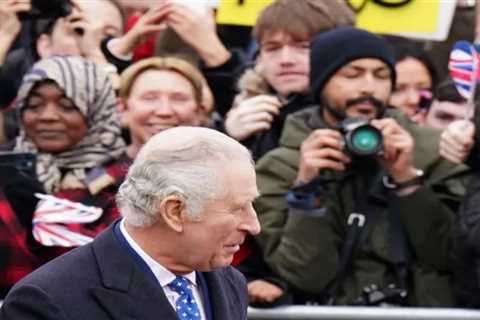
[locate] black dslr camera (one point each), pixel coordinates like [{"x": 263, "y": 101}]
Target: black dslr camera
[
  {"x": 361, "y": 138},
  {"x": 391, "y": 295},
  {"x": 47, "y": 9}
]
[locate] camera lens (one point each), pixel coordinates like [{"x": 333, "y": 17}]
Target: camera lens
[
  {"x": 366, "y": 140},
  {"x": 361, "y": 138}
]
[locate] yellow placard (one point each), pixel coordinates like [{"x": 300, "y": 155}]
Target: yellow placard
[
  {"x": 398, "y": 16},
  {"x": 238, "y": 12}
]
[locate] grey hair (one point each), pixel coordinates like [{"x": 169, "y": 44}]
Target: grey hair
[{"x": 183, "y": 161}]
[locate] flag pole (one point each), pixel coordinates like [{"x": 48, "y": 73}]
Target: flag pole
[{"x": 471, "y": 98}]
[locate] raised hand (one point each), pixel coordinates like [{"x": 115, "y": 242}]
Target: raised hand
[
  {"x": 251, "y": 116},
  {"x": 198, "y": 31},
  {"x": 151, "y": 22},
  {"x": 10, "y": 24},
  {"x": 398, "y": 149},
  {"x": 457, "y": 141},
  {"x": 323, "y": 149}
]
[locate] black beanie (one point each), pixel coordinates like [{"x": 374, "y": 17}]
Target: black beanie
[{"x": 333, "y": 49}]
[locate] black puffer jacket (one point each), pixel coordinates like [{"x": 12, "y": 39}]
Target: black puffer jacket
[{"x": 466, "y": 256}]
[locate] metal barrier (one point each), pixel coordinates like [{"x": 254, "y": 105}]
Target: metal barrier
[{"x": 361, "y": 313}]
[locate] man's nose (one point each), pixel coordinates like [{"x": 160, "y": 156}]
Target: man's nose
[
  {"x": 286, "y": 55},
  {"x": 251, "y": 223},
  {"x": 368, "y": 84}
]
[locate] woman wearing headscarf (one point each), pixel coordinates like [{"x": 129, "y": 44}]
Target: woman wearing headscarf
[{"x": 68, "y": 119}]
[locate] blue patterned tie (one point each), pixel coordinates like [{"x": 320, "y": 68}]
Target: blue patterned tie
[{"x": 186, "y": 307}]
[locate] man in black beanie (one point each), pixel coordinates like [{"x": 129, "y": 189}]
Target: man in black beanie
[{"x": 356, "y": 206}]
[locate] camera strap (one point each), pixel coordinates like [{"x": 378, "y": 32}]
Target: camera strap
[
  {"x": 367, "y": 213},
  {"x": 400, "y": 254},
  {"x": 356, "y": 222}
]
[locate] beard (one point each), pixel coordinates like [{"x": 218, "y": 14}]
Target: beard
[{"x": 341, "y": 113}]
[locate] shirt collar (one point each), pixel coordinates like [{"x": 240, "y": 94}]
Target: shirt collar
[{"x": 162, "y": 274}]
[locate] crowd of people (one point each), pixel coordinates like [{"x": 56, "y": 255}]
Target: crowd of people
[{"x": 145, "y": 126}]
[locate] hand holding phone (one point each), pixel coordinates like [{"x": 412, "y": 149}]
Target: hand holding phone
[{"x": 15, "y": 165}]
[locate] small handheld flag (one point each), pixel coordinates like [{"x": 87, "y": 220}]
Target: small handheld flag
[
  {"x": 463, "y": 67},
  {"x": 52, "y": 217}
]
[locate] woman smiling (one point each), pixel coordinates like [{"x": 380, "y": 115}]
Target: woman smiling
[{"x": 68, "y": 119}]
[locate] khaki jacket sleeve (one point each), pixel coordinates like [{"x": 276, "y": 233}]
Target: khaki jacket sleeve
[{"x": 295, "y": 245}]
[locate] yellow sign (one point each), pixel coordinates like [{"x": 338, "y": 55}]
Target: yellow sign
[
  {"x": 416, "y": 17},
  {"x": 240, "y": 12}
]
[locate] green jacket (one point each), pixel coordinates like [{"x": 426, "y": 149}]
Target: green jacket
[{"x": 304, "y": 249}]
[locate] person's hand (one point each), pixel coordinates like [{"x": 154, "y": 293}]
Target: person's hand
[
  {"x": 199, "y": 32},
  {"x": 457, "y": 141},
  {"x": 251, "y": 116},
  {"x": 398, "y": 147},
  {"x": 149, "y": 23},
  {"x": 261, "y": 291},
  {"x": 323, "y": 149},
  {"x": 89, "y": 35},
  {"x": 10, "y": 25}
]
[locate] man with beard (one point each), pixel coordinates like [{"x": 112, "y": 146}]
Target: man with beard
[{"x": 342, "y": 228}]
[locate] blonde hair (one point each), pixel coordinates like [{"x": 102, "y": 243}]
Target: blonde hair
[{"x": 191, "y": 73}]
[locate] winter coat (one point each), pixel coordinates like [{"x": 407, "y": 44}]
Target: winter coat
[{"x": 304, "y": 247}]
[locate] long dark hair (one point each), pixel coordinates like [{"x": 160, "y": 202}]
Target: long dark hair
[{"x": 407, "y": 48}]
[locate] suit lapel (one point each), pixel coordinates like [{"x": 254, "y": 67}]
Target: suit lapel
[
  {"x": 221, "y": 305},
  {"x": 126, "y": 292}
]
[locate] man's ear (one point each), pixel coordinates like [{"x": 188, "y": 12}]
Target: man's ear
[
  {"x": 44, "y": 46},
  {"x": 172, "y": 211}
]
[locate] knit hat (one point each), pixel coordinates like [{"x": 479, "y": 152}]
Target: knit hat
[{"x": 333, "y": 49}]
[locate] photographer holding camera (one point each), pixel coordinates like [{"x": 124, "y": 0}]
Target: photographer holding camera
[{"x": 357, "y": 214}]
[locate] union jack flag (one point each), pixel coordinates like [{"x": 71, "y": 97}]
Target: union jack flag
[
  {"x": 52, "y": 217},
  {"x": 463, "y": 66}
]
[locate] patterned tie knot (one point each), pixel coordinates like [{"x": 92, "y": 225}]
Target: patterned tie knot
[
  {"x": 186, "y": 306},
  {"x": 180, "y": 286}
]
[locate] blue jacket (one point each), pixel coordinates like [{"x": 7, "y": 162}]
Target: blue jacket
[{"x": 101, "y": 280}]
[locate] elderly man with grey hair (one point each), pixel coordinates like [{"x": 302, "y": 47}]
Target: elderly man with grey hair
[{"x": 187, "y": 207}]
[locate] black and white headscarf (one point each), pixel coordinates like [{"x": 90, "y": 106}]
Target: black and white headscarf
[{"x": 90, "y": 89}]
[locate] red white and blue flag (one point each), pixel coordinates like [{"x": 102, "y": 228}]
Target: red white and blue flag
[
  {"x": 463, "y": 66},
  {"x": 52, "y": 217}
]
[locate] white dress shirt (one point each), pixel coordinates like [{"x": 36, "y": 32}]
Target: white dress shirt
[{"x": 164, "y": 276}]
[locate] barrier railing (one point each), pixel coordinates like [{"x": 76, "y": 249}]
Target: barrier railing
[{"x": 361, "y": 313}]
